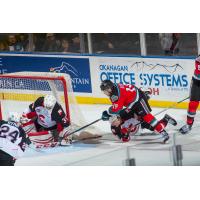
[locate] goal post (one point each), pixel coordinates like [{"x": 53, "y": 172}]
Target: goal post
[{"x": 19, "y": 90}]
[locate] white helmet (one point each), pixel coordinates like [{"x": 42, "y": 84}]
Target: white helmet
[
  {"x": 49, "y": 101},
  {"x": 14, "y": 117}
]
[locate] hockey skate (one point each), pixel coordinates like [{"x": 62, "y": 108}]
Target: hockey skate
[
  {"x": 185, "y": 129},
  {"x": 165, "y": 136},
  {"x": 170, "y": 120}
]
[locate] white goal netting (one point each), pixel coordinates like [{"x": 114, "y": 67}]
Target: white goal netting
[{"x": 19, "y": 90}]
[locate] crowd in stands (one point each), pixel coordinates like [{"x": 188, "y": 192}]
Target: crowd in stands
[
  {"x": 168, "y": 44},
  {"x": 14, "y": 43},
  {"x": 49, "y": 42}
]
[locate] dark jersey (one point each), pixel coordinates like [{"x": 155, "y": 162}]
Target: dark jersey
[
  {"x": 48, "y": 118},
  {"x": 12, "y": 139}
]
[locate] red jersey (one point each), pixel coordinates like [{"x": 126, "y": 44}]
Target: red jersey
[
  {"x": 197, "y": 68},
  {"x": 126, "y": 96}
]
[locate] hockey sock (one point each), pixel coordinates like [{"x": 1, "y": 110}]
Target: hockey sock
[
  {"x": 193, "y": 105},
  {"x": 164, "y": 122},
  {"x": 158, "y": 126}
]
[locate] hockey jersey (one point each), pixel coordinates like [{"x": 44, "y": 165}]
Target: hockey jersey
[
  {"x": 12, "y": 139},
  {"x": 123, "y": 96},
  {"x": 48, "y": 118},
  {"x": 130, "y": 126},
  {"x": 197, "y": 69}
]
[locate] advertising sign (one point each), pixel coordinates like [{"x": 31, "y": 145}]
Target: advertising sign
[
  {"x": 167, "y": 79},
  {"x": 78, "y": 68}
]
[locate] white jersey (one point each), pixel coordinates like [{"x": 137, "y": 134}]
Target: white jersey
[
  {"x": 44, "y": 117},
  {"x": 12, "y": 139},
  {"x": 131, "y": 125}
]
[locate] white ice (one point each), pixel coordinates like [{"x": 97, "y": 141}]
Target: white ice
[{"x": 145, "y": 148}]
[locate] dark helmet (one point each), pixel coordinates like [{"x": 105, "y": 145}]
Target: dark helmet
[{"x": 106, "y": 84}]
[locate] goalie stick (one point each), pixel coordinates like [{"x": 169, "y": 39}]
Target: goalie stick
[{"x": 80, "y": 128}]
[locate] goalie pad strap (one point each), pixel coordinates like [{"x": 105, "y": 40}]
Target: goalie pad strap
[{"x": 38, "y": 133}]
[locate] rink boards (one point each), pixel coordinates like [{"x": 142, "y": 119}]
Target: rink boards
[{"x": 168, "y": 78}]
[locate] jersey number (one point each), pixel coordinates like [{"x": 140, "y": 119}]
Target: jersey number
[
  {"x": 5, "y": 133},
  {"x": 130, "y": 88}
]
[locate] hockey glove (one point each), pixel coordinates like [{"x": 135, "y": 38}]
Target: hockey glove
[
  {"x": 105, "y": 116},
  {"x": 125, "y": 137}
]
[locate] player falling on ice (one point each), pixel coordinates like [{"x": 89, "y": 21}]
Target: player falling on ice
[
  {"x": 135, "y": 102},
  {"x": 194, "y": 98},
  {"x": 49, "y": 117},
  {"x": 13, "y": 140}
]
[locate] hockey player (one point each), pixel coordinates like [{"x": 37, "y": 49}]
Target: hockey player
[
  {"x": 135, "y": 102},
  {"x": 124, "y": 129},
  {"x": 12, "y": 140},
  {"x": 48, "y": 116},
  {"x": 194, "y": 98}
]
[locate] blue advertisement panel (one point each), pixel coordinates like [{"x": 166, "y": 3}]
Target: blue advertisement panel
[{"x": 77, "y": 68}]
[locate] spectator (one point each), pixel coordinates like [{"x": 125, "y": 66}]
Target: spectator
[
  {"x": 102, "y": 43},
  {"x": 169, "y": 43},
  {"x": 24, "y": 41},
  {"x": 175, "y": 43},
  {"x": 51, "y": 44},
  {"x": 3, "y": 46},
  {"x": 38, "y": 40},
  {"x": 13, "y": 44},
  {"x": 65, "y": 46},
  {"x": 75, "y": 46}
]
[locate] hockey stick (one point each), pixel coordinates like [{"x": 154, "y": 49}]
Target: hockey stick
[
  {"x": 80, "y": 128},
  {"x": 172, "y": 106},
  {"x": 83, "y": 127}
]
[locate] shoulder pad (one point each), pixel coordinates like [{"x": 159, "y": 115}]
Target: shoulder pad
[{"x": 114, "y": 98}]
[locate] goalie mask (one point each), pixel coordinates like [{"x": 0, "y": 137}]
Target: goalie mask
[
  {"x": 14, "y": 117},
  {"x": 49, "y": 102}
]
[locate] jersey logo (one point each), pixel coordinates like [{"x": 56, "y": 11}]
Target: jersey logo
[
  {"x": 60, "y": 112},
  {"x": 114, "y": 98}
]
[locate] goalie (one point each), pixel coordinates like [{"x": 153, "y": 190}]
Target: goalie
[{"x": 48, "y": 116}]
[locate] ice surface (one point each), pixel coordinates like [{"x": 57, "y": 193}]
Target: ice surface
[{"x": 145, "y": 147}]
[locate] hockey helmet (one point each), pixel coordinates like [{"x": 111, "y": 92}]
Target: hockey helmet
[
  {"x": 106, "y": 85},
  {"x": 49, "y": 101},
  {"x": 14, "y": 117}
]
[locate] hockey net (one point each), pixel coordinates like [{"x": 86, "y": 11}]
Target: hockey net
[{"x": 19, "y": 90}]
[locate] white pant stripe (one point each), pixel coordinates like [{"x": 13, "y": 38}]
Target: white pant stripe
[{"x": 144, "y": 105}]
